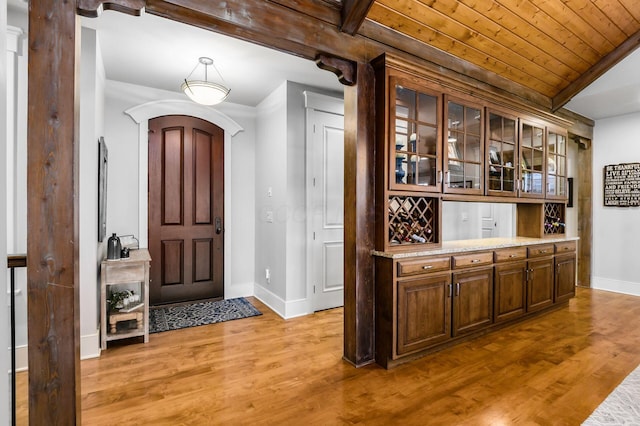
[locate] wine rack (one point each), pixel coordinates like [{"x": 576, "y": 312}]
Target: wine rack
[
  {"x": 412, "y": 220},
  {"x": 554, "y": 218}
]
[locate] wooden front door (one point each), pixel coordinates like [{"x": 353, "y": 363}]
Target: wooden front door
[{"x": 186, "y": 195}]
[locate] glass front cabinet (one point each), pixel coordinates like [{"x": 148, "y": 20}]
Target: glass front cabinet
[
  {"x": 436, "y": 143},
  {"x": 416, "y": 135},
  {"x": 463, "y": 151}
]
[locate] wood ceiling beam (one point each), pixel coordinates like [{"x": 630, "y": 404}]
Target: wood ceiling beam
[
  {"x": 93, "y": 8},
  {"x": 593, "y": 73},
  {"x": 353, "y": 14}
]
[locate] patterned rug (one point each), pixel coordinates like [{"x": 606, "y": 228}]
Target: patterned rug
[
  {"x": 622, "y": 406},
  {"x": 202, "y": 313}
]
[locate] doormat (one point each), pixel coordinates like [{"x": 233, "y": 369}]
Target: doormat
[
  {"x": 201, "y": 313},
  {"x": 621, "y": 406}
]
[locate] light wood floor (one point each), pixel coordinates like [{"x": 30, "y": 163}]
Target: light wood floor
[{"x": 553, "y": 370}]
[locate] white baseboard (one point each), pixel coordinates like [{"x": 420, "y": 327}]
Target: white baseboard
[
  {"x": 286, "y": 309},
  {"x": 617, "y": 286},
  {"x": 90, "y": 345},
  {"x": 238, "y": 290}
]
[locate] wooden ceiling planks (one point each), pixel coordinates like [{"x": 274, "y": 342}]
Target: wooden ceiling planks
[{"x": 545, "y": 45}]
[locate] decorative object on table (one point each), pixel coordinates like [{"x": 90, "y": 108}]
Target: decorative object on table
[
  {"x": 202, "y": 313},
  {"x": 129, "y": 241},
  {"x": 124, "y": 253},
  {"x": 113, "y": 247}
]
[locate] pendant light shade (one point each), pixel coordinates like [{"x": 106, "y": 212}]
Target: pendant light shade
[{"x": 205, "y": 92}]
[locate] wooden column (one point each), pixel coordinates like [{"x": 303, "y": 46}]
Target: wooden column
[
  {"x": 359, "y": 217},
  {"x": 52, "y": 243},
  {"x": 585, "y": 211}
]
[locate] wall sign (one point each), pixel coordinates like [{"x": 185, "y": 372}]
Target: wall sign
[{"x": 622, "y": 185}]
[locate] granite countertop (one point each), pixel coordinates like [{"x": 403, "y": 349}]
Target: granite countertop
[{"x": 461, "y": 246}]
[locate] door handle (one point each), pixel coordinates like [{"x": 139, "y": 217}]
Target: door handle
[{"x": 218, "y": 225}]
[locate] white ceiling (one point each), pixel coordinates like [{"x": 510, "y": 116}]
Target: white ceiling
[
  {"x": 160, "y": 53},
  {"x": 617, "y": 92}
]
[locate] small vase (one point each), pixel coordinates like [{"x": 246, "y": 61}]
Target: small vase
[{"x": 113, "y": 247}]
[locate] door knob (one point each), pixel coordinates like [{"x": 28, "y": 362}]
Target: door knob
[{"x": 218, "y": 225}]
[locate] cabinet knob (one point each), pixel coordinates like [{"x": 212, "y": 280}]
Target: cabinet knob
[
  {"x": 427, "y": 267},
  {"x": 475, "y": 261},
  {"x": 513, "y": 255}
]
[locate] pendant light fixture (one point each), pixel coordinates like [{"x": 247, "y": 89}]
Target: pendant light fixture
[{"x": 205, "y": 92}]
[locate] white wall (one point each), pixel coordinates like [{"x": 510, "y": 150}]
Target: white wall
[
  {"x": 281, "y": 170},
  {"x": 92, "y": 83},
  {"x": 5, "y": 339},
  {"x": 616, "y": 230}
]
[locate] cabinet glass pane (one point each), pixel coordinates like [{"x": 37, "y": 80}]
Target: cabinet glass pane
[
  {"x": 508, "y": 184},
  {"x": 472, "y": 176},
  {"x": 527, "y": 181},
  {"x": 405, "y": 102},
  {"x": 472, "y": 121},
  {"x": 508, "y": 154},
  {"x": 562, "y": 145},
  {"x": 509, "y": 134},
  {"x": 527, "y": 139},
  {"x": 537, "y": 137},
  {"x": 472, "y": 149},
  {"x": 427, "y": 140},
  {"x": 495, "y": 153},
  {"x": 562, "y": 186},
  {"x": 401, "y": 167},
  {"x": 456, "y": 116},
  {"x": 527, "y": 159},
  {"x": 495, "y": 178},
  {"x": 551, "y": 184},
  {"x": 495, "y": 127},
  {"x": 402, "y": 132},
  {"x": 551, "y": 143},
  {"x": 455, "y": 177},
  {"x": 560, "y": 164},
  {"x": 428, "y": 107},
  {"x": 426, "y": 171},
  {"x": 538, "y": 160},
  {"x": 551, "y": 163},
  {"x": 455, "y": 145}
]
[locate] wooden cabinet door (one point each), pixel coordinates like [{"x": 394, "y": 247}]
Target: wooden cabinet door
[
  {"x": 565, "y": 277},
  {"x": 472, "y": 300},
  {"x": 532, "y": 159},
  {"x": 424, "y": 312},
  {"x": 510, "y": 290},
  {"x": 540, "y": 284}
]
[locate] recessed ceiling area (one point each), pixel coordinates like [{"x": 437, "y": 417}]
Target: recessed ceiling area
[{"x": 156, "y": 52}]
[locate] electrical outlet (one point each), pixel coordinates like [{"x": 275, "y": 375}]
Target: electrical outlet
[{"x": 269, "y": 216}]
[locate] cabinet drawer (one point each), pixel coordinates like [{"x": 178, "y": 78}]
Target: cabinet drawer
[
  {"x": 510, "y": 254},
  {"x": 124, "y": 273},
  {"x": 565, "y": 247},
  {"x": 474, "y": 259},
  {"x": 541, "y": 250},
  {"x": 423, "y": 265}
]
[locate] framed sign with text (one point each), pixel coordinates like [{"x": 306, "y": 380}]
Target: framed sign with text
[{"x": 622, "y": 185}]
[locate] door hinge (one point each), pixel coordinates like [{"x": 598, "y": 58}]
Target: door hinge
[
  {"x": 314, "y": 235},
  {"x": 314, "y": 128},
  {"x": 314, "y": 289}
]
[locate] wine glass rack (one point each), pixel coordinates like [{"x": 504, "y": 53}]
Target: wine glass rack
[
  {"x": 412, "y": 220},
  {"x": 554, "y": 218}
]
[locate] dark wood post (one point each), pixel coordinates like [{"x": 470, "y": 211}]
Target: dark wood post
[
  {"x": 52, "y": 242},
  {"x": 359, "y": 217}
]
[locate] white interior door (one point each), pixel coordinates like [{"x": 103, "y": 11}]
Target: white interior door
[
  {"x": 488, "y": 220},
  {"x": 325, "y": 145}
]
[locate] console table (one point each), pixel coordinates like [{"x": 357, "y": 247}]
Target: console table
[{"x": 126, "y": 273}]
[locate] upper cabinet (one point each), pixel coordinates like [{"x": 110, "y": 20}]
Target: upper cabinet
[
  {"x": 556, "y": 163},
  {"x": 463, "y": 152},
  {"x": 415, "y": 132},
  {"x": 438, "y": 141},
  {"x": 532, "y": 159},
  {"x": 502, "y": 153}
]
